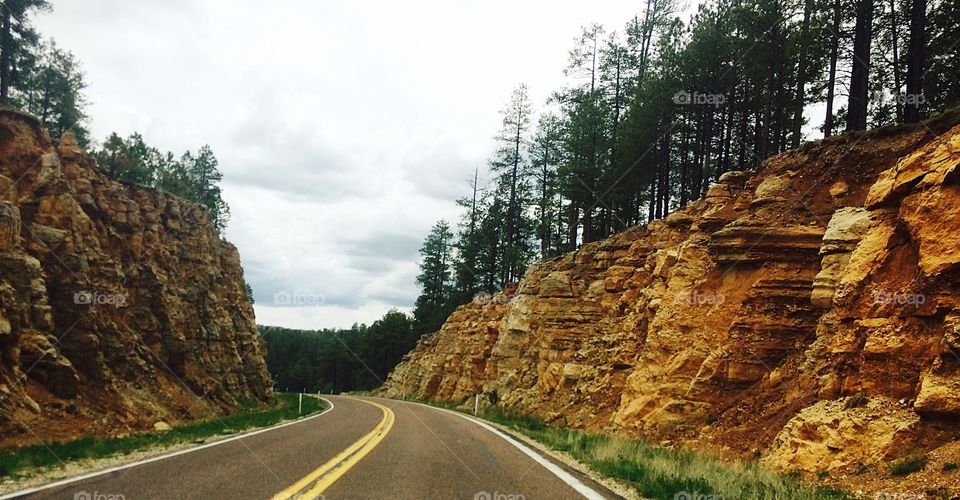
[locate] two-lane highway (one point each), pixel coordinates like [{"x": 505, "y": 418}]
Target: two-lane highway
[{"x": 362, "y": 448}]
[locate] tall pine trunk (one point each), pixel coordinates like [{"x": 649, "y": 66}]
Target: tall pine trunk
[
  {"x": 6, "y": 54},
  {"x": 832, "y": 77},
  {"x": 915, "y": 60},
  {"x": 800, "y": 95},
  {"x": 894, "y": 35},
  {"x": 860, "y": 75}
]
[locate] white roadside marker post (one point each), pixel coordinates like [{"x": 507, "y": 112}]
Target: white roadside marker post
[
  {"x": 300, "y": 409},
  {"x": 476, "y": 404}
]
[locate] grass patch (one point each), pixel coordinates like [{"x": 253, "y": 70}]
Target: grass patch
[
  {"x": 20, "y": 460},
  {"x": 657, "y": 472},
  {"x": 950, "y": 467},
  {"x": 908, "y": 466}
]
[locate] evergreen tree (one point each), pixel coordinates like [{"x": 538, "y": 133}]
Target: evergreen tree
[
  {"x": 434, "y": 278},
  {"x": 545, "y": 151},
  {"x": 194, "y": 176},
  {"x": 52, "y": 90},
  {"x": 941, "y": 87},
  {"x": 18, "y": 41},
  {"x": 857, "y": 104},
  {"x": 357, "y": 358},
  {"x": 204, "y": 175},
  {"x": 510, "y": 166}
]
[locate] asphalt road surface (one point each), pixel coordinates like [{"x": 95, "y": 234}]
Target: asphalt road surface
[{"x": 364, "y": 448}]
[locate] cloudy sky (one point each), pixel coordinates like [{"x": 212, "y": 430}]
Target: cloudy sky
[{"x": 344, "y": 129}]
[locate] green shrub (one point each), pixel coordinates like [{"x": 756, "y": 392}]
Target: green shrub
[{"x": 908, "y": 466}]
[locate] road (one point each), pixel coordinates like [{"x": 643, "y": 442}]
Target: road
[{"x": 362, "y": 448}]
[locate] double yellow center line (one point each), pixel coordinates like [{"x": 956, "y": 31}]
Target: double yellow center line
[{"x": 314, "y": 484}]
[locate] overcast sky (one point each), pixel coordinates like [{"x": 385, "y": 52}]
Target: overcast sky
[{"x": 344, "y": 129}]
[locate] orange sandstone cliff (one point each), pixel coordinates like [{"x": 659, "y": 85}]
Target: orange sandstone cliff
[
  {"x": 119, "y": 305},
  {"x": 806, "y": 314}
]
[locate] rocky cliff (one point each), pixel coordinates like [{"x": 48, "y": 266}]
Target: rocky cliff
[
  {"x": 806, "y": 313},
  {"x": 119, "y": 305}
]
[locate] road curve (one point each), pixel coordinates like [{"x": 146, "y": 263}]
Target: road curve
[{"x": 361, "y": 449}]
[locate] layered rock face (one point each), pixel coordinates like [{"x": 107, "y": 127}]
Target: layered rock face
[
  {"x": 805, "y": 313},
  {"x": 119, "y": 305}
]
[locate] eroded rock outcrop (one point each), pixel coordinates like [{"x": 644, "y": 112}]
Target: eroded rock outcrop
[
  {"x": 745, "y": 321},
  {"x": 119, "y": 305}
]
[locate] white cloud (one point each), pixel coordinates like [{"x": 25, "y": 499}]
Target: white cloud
[{"x": 344, "y": 129}]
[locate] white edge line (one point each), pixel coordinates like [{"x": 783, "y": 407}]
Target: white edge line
[
  {"x": 563, "y": 475},
  {"x": 138, "y": 463}
]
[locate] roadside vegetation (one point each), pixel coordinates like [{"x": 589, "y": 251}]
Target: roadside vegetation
[
  {"x": 657, "y": 472},
  {"x": 22, "y": 461}
]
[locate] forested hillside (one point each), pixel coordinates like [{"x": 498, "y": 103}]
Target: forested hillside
[
  {"x": 655, "y": 111},
  {"x": 331, "y": 360}
]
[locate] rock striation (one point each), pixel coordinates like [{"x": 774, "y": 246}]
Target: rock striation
[
  {"x": 119, "y": 305},
  {"x": 748, "y": 321}
]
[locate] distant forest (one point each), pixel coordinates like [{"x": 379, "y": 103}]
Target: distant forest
[
  {"x": 358, "y": 358},
  {"x": 48, "y": 82},
  {"x": 656, "y": 111}
]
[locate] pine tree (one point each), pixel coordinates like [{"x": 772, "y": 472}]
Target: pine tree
[
  {"x": 915, "y": 60},
  {"x": 859, "y": 78},
  {"x": 434, "y": 278},
  {"x": 204, "y": 175},
  {"x": 469, "y": 245},
  {"x": 52, "y": 90},
  {"x": 545, "y": 156},
  {"x": 941, "y": 87},
  {"x": 18, "y": 40},
  {"x": 511, "y": 168}
]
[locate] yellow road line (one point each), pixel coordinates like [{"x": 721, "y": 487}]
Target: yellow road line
[{"x": 336, "y": 467}]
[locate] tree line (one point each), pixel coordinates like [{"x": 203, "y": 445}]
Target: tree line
[
  {"x": 332, "y": 360},
  {"x": 656, "y": 111},
  {"x": 48, "y": 82}
]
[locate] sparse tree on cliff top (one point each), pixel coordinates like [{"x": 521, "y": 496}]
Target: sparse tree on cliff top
[
  {"x": 434, "y": 278},
  {"x": 130, "y": 159},
  {"x": 204, "y": 175},
  {"x": 52, "y": 90}
]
